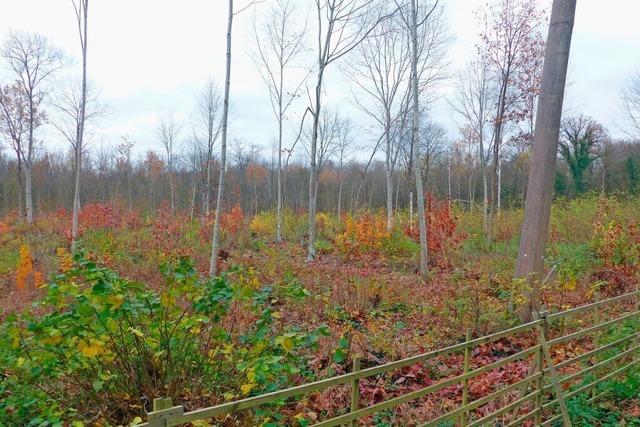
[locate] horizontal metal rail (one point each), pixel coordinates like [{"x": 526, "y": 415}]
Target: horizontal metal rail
[
  {"x": 423, "y": 392},
  {"x": 176, "y": 415},
  {"x": 587, "y": 331},
  {"x": 505, "y": 409},
  {"x": 594, "y": 367},
  {"x": 484, "y": 400},
  {"x": 592, "y": 384},
  {"x": 252, "y": 402},
  {"x": 587, "y": 307}
]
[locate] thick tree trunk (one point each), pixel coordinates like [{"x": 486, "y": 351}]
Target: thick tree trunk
[
  {"x": 424, "y": 259},
  {"x": 533, "y": 240},
  {"x": 215, "y": 244}
]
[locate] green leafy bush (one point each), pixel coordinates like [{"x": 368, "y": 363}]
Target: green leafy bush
[{"x": 113, "y": 343}]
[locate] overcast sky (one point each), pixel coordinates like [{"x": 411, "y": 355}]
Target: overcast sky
[{"x": 149, "y": 58}]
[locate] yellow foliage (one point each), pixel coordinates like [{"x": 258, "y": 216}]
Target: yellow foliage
[
  {"x": 365, "y": 234},
  {"x": 246, "y": 388},
  {"x": 65, "y": 260},
  {"x": 262, "y": 225},
  {"x": 91, "y": 347},
  {"x": 25, "y": 267}
]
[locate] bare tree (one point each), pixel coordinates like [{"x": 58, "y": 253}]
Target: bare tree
[
  {"x": 215, "y": 243},
  {"x": 344, "y": 146},
  {"x": 14, "y": 119},
  {"x": 209, "y": 103},
  {"x": 631, "y": 102},
  {"x": 341, "y": 26},
  {"x": 32, "y": 59},
  {"x": 474, "y": 98},
  {"x": 283, "y": 44},
  {"x": 76, "y": 108},
  {"x": 124, "y": 150},
  {"x": 380, "y": 69},
  {"x": 537, "y": 210},
  {"x": 169, "y": 132},
  {"x": 82, "y": 13},
  {"x": 414, "y": 18},
  {"x": 511, "y": 40}
]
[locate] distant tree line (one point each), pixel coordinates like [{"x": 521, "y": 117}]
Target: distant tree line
[{"x": 114, "y": 175}]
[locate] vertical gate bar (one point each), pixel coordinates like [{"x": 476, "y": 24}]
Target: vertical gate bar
[
  {"x": 539, "y": 384},
  {"x": 552, "y": 370},
  {"x": 465, "y": 386},
  {"x": 596, "y": 340},
  {"x": 355, "y": 389}
]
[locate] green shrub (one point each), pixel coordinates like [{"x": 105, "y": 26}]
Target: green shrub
[
  {"x": 113, "y": 343},
  {"x": 398, "y": 245}
]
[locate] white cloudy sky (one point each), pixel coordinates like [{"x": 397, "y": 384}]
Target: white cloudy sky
[{"x": 148, "y": 58}]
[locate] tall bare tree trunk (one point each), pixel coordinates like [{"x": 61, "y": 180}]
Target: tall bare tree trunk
[
  {"x": 28, "y": 195},
  {"x": 279, "y": 196},
  {"x": 424, "y": 257},
  {"x": 311, "y": 247},
  {"x": 82, "y": 14},
  {"x": 388, "y": 173},
  {"x": 193, "y": 199},
  {"x": 172, "y": 190},
  {"x": 215, "y": 244},
  {"x": 533, "y": 240}
]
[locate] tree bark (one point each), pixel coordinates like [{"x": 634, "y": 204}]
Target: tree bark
[{"x": 533, "y": 240}]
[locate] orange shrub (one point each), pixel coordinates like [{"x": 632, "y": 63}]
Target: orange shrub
[
  {"x": 232, "y": 221},
  {"x": 26, "y": 271},
  {"x": 365, "y": 234}
]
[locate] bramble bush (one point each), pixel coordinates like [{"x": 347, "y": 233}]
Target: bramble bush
[{"x": 113, "y": 345}]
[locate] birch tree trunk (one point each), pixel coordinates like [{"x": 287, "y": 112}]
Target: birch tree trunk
[{"x": 533, "y": 240}]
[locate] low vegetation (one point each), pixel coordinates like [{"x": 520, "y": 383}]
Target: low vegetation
[{"x": 131, "y": 315}]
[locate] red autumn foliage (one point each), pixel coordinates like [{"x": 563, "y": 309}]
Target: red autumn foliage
[
  {"x": 232, "y": 221},
  {"x": 441, "y": 230},
  {"x": 99, "y": 215}
]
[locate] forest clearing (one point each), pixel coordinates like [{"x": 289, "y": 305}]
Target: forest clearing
[
  {"x": 319, "y": 213},
  {"x": 361, "y": 297}
]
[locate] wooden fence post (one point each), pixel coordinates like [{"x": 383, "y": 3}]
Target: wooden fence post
[
  {"x": 465, "y": 386},
  {"x": 164, "y": 413},
  {"x": 355, "y": 389},
  {"x": 542, "y": 334}
]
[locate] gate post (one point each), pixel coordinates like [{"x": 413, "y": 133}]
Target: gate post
[{"x": 542, "y": 332}]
